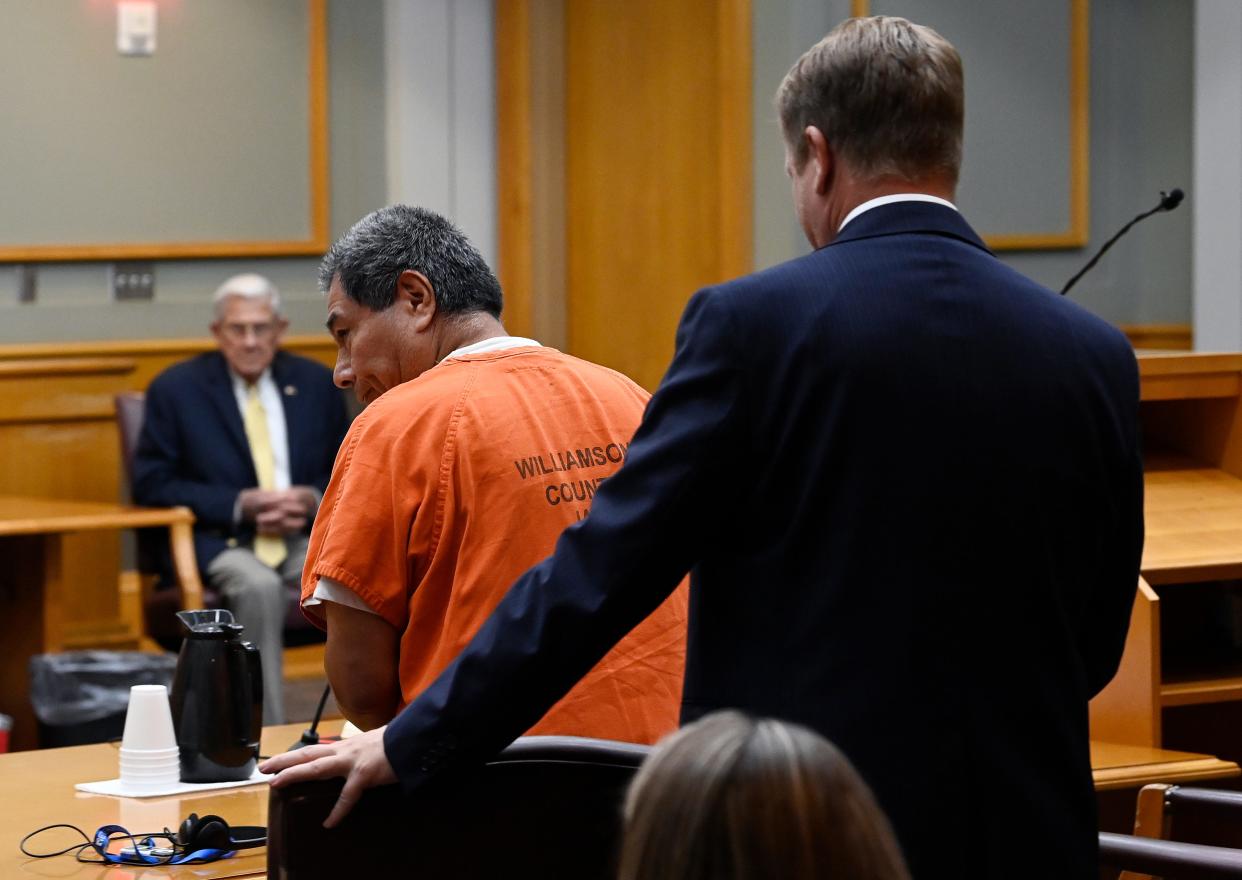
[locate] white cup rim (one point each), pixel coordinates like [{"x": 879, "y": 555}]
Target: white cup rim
[{"x": 165, "y": 756}]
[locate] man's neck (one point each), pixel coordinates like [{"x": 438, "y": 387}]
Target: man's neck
[
  {"x": 463, "y": 330},
  {"x": 851, "y": 192}
]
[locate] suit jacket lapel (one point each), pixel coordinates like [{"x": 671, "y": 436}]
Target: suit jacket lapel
[{"x": 218, "y": 386}]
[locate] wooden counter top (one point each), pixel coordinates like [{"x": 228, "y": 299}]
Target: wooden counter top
[
  {"x": 36, "y": 789},
  {"x": 1194, "y": 521},
  {"x": 1117, "y": 766}
]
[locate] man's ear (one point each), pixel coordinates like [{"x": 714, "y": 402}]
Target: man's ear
[
  {"x": 819, "y": 153},
  {"x": 416, "y": 297}
]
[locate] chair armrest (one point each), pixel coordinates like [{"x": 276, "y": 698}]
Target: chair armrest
[
  {"x": 1178, "y": 795},
  {"x": 185, "y": 563},
  {"x": 1169, "y": 859}
]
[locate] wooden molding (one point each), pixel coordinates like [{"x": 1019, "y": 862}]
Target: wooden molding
[
  {"x": 317, "y": 343},
  {"x": 734, "y": 67},
  {"x": 317, "y": 243},
  {"x": 65, "y": 366},
  {"x": 514, "y": 183},
  {"x": 530, "y": 186},
  {"x": 1127, "y": 710},
  {"x": 1169, "y": 337}
]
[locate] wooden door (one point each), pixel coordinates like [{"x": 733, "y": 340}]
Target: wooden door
[{"x": 650, "y": 109}]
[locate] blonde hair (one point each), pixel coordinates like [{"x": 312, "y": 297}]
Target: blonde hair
[
  {"x": 887, "y": 95},
  {"x": 734, "y": 798}
]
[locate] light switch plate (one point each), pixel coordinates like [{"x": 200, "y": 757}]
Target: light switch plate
[
  {"x": 135, "y": 27},
  {"x": 132, "y": 280}
]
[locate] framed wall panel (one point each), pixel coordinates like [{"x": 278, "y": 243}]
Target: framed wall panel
[
  {"x": 214, "y": 146},
  {"x": 1024, "y": 174}
]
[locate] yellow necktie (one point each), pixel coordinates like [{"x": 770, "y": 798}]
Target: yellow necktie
[{"x": 268, "y": 549}]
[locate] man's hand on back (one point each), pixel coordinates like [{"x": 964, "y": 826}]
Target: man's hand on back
[{"x": 360, "y": 759}]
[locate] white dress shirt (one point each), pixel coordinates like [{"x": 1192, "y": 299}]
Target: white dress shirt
[{"x": 888, "y": 200}]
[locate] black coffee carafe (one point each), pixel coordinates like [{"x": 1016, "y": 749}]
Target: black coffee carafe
[{"x": 217, "y": 699}]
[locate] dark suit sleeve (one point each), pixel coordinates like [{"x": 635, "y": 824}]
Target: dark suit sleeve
[
  {"x": 159, "y": 467},
  {"x": 338, "y": 421},
  {"x": 646, "y": 528},
  {"x": 1103, "y": 634}
]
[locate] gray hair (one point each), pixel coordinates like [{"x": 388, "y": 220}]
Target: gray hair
[
  {"x": 370, "y": 257},
  {"x": 248, "y": 285},
  {"x": 887, "y": 95}
]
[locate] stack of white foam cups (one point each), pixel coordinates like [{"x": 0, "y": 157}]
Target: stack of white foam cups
[{"x": 150, "y": 759}]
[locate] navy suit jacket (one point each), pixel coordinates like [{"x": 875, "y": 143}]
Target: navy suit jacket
[
  {"x": 193, "y": 447},
  {"x": 907, "y": 481}
]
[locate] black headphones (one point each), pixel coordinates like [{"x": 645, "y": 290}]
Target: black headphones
[
  {"x": 197, "y": 840},
  {"x": 212, "y": 832}
]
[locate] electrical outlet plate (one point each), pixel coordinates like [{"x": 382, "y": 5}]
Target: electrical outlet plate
[
  {"x": 27, "y": 283},
  {"x": 132, "y": 281}
]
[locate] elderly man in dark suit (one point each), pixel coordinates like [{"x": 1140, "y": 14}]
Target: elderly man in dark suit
[
  {"x": 907, "y": 483},
  {"x": 245, "y": 437}
]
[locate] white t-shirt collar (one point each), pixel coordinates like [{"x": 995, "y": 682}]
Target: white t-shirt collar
[
  {"x": 496, "y": 343},
  {"x": 888, "y": 200}
]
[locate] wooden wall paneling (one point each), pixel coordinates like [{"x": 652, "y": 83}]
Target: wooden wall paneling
[
  {"x": 530, "y": 121},
  {"x": 733, "y": 97},
  {"x": 515, "y": 263},
  {"x": 1127, "y": 711},
  {"x": 548, "y": 184},
  {"x": 1165, "y": 337},
  {"x": 58, "y": 439},
  {"x": 658, "y": 170}
]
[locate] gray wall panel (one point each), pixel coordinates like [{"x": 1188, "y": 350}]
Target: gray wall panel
[
  {"x": 1140, "y": 143},
  {"x": 206, "y": 140},
  {"x": 73, "y": 301}
]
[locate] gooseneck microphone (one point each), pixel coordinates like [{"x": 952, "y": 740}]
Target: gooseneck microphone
[
  {"x": 1168, "y": 201},
  {"x": 311, "y": 737}
]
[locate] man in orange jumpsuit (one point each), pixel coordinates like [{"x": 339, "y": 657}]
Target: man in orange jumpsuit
[{"x": 475, "y": 451}]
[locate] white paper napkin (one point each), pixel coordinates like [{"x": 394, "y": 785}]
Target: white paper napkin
[{"x": 118, "y": 788}]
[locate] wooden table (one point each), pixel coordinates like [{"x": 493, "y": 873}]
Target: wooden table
[
  {"x": 1122, "y": 766},
  {"x": 36, "y": 789},
  {"x": 34, "y": 596}
]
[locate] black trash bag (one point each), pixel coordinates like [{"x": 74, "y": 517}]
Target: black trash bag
[{"x": 80, "y": 697}]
